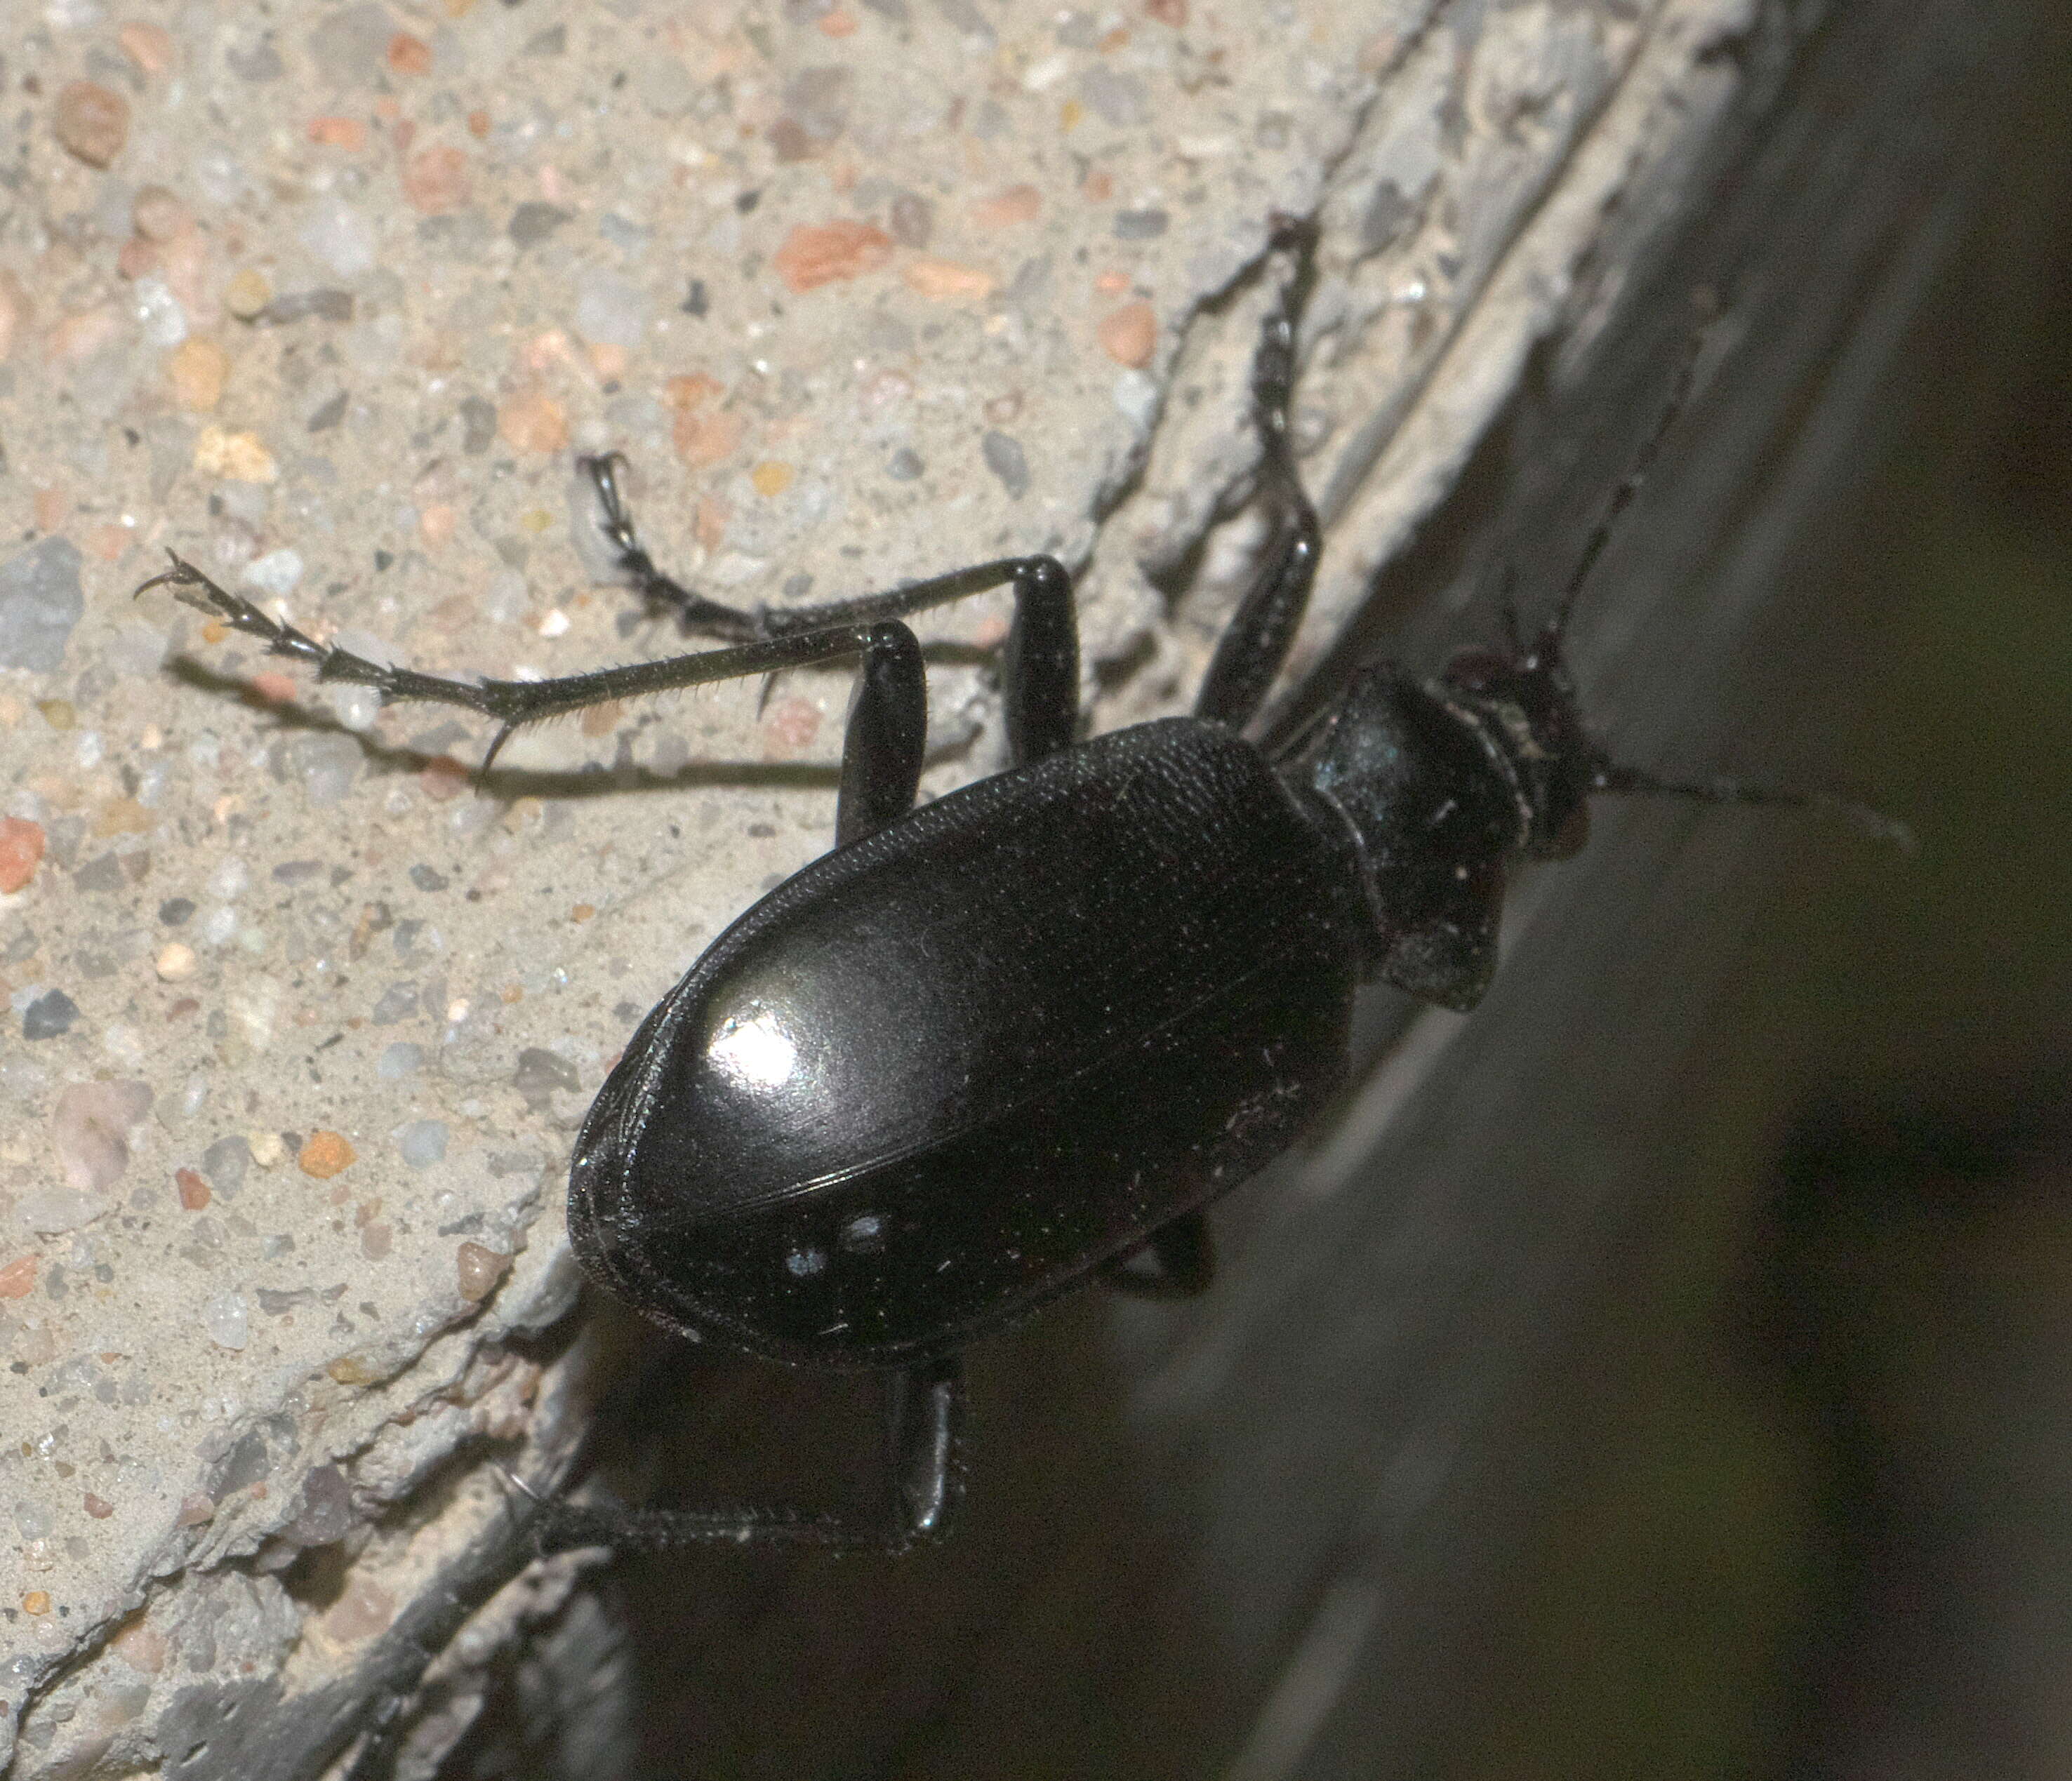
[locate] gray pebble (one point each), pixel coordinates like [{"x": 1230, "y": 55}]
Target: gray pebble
[
  {"x": 534, "y": 221},
  {"x": 51, "y": 1014},
  {"x": 421, "y": 1143},
  {"x": 1139, "y": 225},
  {"x": 1005, "y": 458},
  {"x": 40, "y": 602}
]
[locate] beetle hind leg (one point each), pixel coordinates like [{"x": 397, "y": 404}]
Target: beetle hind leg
[{"x": 924, "y": 1422}]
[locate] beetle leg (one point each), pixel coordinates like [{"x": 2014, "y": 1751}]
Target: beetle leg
[
  {"x": 924, "y": 1419},
  {"x": 1182, "y": 1259},
  {"x": 1255, "y": 647},
  {"x": 694, "y": 612},
  {"x": 888, "y": 728},
  {"x": 924, "y": 1415},
  {"x": 513, "y": 702}
]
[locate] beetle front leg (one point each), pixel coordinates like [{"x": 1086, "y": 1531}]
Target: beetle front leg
[{"x": 1254, "y": 648}]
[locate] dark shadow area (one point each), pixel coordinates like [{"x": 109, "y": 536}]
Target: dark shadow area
[{"x": 1912, "y": 1299}]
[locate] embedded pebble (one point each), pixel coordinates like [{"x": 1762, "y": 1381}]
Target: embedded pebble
[
  {"x": 912, "y": 219},
  {"x": 1005, "y": 458},
  {"x": 40, "y": 602},
  {"x": 198, "y": 368},
  {"x": 611, "y": 311},
  {"x": 90, "y": 1131},
  {"x": 15, "y": 310},
  {"x": 91, "y": 121},
  {"x": 436, "y": 180},
  {"x": 17, "y": 1279},
  {"x": 227, "y": 1321},
  {"x": 1136, "y": 397},
  {"x": 247, "y": 293},
  {"x": 421, "y": 1143},
  {"x": 945, "y": 280},
  {"x": 194, "y": 1190},
  {"x": 149, "y": 46},
  {"x": 810, "y": 256},
  {"x": 534, "y": 221},
  {"x": 158, "y": 213},
  {"x": 904, "y": 465},
  {"x": 225, "y": 1161},
  {"x": 398, "y": 1001},
  {"x": 326, "y": 1511},
  {"x": 329, "y": 766},
  {"x": 540, "y": 1072},
  {"x": 325, "y": 1154},
  {"x": 477, "y": 1270},
  {"x": 533, "y": 422},
  {"x": 176, "y": 962},
  {"x": 50, "y": 1015},
  {"x": 235, "y": 457},
  {"x": 1128, "y": 335},
  {"x": 276, "y": 572},
  {"x": 21, "y": 848},
  {"x": 1016, "y": 204},
  {"x": 399, "y": 1060},
  {"x": 339, "y": 236},
  {"x": 1139, "y": 225},
  {"x": 158, "y": 314}
]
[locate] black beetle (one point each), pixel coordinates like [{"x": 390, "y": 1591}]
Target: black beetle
[{"x": 1016, "y": 1038}]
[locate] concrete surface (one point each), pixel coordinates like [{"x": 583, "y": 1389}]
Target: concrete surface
[{"x": 301, "y": 1020}]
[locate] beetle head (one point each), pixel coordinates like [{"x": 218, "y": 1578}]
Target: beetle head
[{"x": 1523, "y": 703}]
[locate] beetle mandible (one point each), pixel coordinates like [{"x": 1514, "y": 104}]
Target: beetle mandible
[{"x": 1015, "y": 1040}]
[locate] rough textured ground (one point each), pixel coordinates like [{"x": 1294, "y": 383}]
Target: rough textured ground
[{"x": 300, "y": 1019}]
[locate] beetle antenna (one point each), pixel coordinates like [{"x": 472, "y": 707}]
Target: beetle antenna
[
  {"x": 1632, "y": 782},
  {"x": 1635, "y": 479}
]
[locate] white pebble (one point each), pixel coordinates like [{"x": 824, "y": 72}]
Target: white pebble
[
  {"x": 610, "y": 312},
  {"x": 159, "y": 312},
  {"x": 228, "y": 1320},
  {"x": 338, "y": 236},
  {"x": 1136, "y": 397},
  {"x": 276, "y": 572}
]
